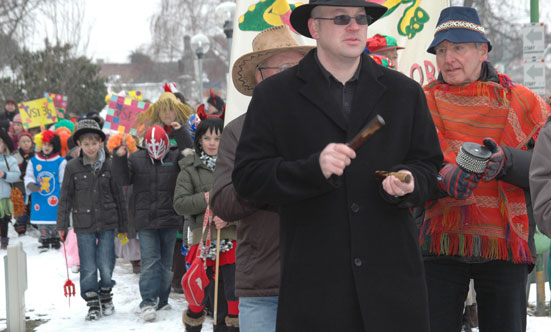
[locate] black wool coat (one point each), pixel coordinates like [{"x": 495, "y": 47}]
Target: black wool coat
[{"x": 350, "y": 259}]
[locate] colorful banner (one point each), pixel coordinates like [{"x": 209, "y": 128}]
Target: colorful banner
[
  {"x": 411, "y": 22},
  {"x": 36, "y": 113},
  {"x": 122, "y": 113},
  {"x": 60, "y": 101}
]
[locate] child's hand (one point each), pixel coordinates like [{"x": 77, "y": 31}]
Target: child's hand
[
  {"x": 175, "y": 125},
  {"x": 2, "y": 174},
  {"x": 219, "y": 223},
  {"x": 33, "y": 187},
  {"x": 121, "y": 151}
]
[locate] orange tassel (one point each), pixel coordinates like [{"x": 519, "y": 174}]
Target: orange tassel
[{"x": 18, "y": 202}]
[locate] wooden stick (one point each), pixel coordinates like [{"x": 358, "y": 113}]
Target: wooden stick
[
  {"x": 406, "y": 178},
  {"x": 375, "y": 124},
  {"x": 216, "y": 276}
]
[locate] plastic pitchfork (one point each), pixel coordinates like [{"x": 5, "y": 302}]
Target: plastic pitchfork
[{"x": 69, "y": 287}]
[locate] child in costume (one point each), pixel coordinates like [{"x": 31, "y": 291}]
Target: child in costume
[
  {"x": 9, "y": 173},
  {"x": 16, "y": 129},
  {"x": 194, "y": 182},
  {"x": 23, "y": 154},
  {"x": 152, "y": 172},
  {"x": 96, "y": 203},
  {"x": 163, "y": 112},
  {"x": 43, "y": 179}
]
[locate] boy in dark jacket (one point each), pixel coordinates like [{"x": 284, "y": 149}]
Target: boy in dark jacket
[
  {"x": 96, "y": 202},
  {"x": 152, "y": 172}
]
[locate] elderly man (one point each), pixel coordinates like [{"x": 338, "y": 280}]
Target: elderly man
[
  {"x": 481, "y": 229},
  {"x": 350, "y": 259},
  {"x": 257, "y": 255}
]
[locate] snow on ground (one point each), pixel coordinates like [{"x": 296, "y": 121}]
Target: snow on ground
[{"x": 44, "y": 298}]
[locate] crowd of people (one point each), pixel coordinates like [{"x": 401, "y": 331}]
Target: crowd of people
[{"x": 273, "y": 222}]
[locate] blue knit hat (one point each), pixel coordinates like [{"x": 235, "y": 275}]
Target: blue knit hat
[{"x": 459, "y": 25}]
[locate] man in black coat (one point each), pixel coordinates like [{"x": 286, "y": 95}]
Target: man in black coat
[{"x": 350, "y": 259}]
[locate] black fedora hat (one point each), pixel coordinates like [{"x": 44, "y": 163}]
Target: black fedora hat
[
  {"x": 459, "y": 25},
  {"x": 301, "y": 14}
]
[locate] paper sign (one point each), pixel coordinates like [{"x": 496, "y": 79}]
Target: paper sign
[
  {"x": 122, "y": 114},
  {"x": 60, "y": 101},
  {"x": 36, "y": 113}
]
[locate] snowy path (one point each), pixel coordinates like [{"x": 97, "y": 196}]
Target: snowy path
[{"x": 44, "y": 298}]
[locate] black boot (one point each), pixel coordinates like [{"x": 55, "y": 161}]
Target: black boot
[
  {"x": 92, "y": 301},
  {"x": 193, "y": 321},
  {"x": 44, "y": 245},
  {"x": 232, "y": 322},
  {"x": 4, "y": 243},
  {"x": 107, "y": 307},
  {"x": 20, "y": 228},
  {"x": 55, "y": 243}
]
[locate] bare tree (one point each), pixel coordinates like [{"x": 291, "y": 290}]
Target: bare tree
[
  {"x": 177, "y": 18},
  {"x": 13, "y": 14},
  {"x": 63, "y": 23}
]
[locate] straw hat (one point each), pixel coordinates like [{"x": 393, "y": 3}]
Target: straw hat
[{"x": 266, "y": 44}]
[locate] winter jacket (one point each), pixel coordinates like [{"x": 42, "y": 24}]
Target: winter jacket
[
  {"x": 189, "y": 197},
  {"x": 540, "y": 180},
  {"x": 8, "y": 165},
  {"x": 94, "y": 199},
  {"x": 257, "y": 253},
  {"x": 153, "y": 184}
]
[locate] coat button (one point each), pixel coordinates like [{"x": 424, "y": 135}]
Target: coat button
[
  {"x": 355, "y": 207},
  {"x": 87, "y": 210},
  {"x": 357, "y": 262}
]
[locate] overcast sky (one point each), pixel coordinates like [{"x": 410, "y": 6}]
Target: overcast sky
[{"x": 118, "y": 27}]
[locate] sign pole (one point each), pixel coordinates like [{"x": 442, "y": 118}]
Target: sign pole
[{"x": 534, "y": 11}]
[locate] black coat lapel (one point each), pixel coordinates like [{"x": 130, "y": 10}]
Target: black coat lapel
[
  {"x": 368, "y": 93},
  {"x": 315, "y": 90}
]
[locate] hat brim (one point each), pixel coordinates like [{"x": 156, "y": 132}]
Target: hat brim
[
  {"x": 301, "y": 14},
  {"x": 244, "y": 68},
  {"x": 458, "y": 36},
  {"x": 80, "y": 132},
  {"x": 389, "y": 48}
]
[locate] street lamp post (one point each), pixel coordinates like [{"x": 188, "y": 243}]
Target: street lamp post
[
  {"x": 224, "y": 16},
  {"x": 200, "y": 45}
]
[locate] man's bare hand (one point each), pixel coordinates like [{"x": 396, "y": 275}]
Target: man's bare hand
[
  {"x": 334, "y": 158},
  {"x": 395, "y": 187}
]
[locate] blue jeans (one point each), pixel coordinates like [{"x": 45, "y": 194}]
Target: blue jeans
[
  {"x": 96, "y": 252},
  {"x": 258, "y": 313},
  {"x": 157, "y": 249}
]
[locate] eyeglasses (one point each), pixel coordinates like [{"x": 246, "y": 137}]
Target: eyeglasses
[
  {"x": 278, "y": 69},
  {"x": 345, "y": 19}
]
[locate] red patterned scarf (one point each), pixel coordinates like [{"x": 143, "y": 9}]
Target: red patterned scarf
[{"x": 493, "y": 222}]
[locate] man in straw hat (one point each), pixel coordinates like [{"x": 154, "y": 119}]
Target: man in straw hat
[
  {"x": 350, "y": 260},
  {"x": 257, "y": 256},
  {"x": 483, "y": 230}
]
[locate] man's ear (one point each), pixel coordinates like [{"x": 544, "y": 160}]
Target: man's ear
[
  {"x": 484, "y": 51},
  {"x": 313, "y": 27}
]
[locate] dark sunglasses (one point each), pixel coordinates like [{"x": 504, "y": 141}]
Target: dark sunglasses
[{"x": 345, "y": 19}]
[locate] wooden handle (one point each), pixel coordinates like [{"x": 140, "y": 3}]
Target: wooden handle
[
  {"x": 375, "y": 124},
  {"x": 406, "y": 178}
]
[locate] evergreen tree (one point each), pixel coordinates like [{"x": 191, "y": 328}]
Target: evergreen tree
[{"x": 55, "y": 69}]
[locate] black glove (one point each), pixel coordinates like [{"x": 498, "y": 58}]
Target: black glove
[
  {"x": 456, "y": 182},
  {"x": 33, "y": 187},
  {"x": 496, "y": 162}
]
